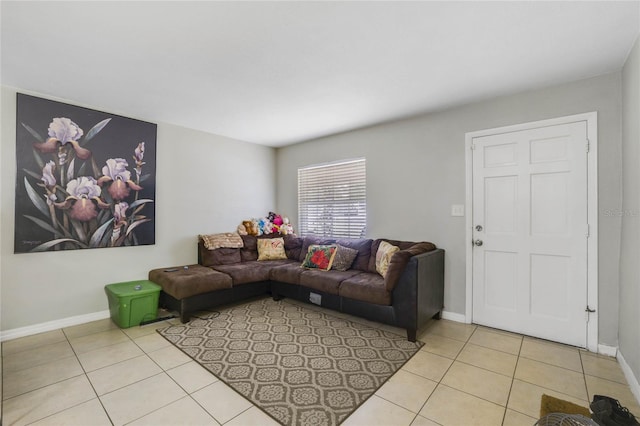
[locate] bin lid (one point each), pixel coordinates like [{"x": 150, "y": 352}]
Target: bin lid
[{"x": 131, "y": 288}]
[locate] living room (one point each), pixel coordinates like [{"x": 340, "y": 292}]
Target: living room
[{"x": 208, "y": 183}]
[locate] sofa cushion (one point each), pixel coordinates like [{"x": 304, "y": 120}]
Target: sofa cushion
[
  {"x": 195, "y": 280},
  {"x": 288, "y": 273},
  {"x": 361, "y": 262},
  {"x": 366, "y": 287},
  {"x": 319, "y": 257},
  {"x": 220, "y": 256},
  {"x": 293, "y": 246},
  {"x": 326, "y": 281},
  {"x": 249, "y": 272},
  {"x": 250, "y": 250},
  {"x": 313, "y": 240},
  {"x": 344, "y": 258},
  {"x": 271, "y": 249},
  {"x": 383, "y": 257}
]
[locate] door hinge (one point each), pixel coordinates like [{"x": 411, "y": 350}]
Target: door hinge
[
  {"x": 588, "y": 145},
  {"x": 588, "y": 230}
]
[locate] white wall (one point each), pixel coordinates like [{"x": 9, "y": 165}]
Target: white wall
[
  {"x": 629, "y": 335},
  {"x": 205, "y": 184},
  {"x": 416, "y": 170}
]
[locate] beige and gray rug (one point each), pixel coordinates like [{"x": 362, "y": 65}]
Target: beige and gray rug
[{"x": 299, "y": 365}]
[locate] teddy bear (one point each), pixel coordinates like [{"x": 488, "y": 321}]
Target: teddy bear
[{"x": 250, "y": 227}]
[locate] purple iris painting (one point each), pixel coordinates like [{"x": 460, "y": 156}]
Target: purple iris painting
[{"x": 85, "y": 178}]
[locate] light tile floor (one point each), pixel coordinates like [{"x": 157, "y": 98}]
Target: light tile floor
[{"x": 97, "y": 374}]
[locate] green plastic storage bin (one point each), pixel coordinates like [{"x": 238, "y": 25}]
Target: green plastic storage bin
[{"x": 133, "y": 302}]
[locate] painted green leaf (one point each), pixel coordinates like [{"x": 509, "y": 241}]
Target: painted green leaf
[
  {"x": 33, "y": 133},
  {"x": 144, "y": 177},
  {"x": 139, "y": 202},
  {"x": 42, "y": 224},
  {"x": 96, "y": 170},
  {"x": 77, "y": 226},
  {"x": 38, "y": 159},
  {"x": 46, "y": 246},
  {"x": 32, "y": 174},
  {"x": 134, "y": 225},
  {"x": 95, "y": 130},
  {"x": 83, "y": 167},
  {"x": 36, "y": 199},
  {"x": 97, "y": 236}
]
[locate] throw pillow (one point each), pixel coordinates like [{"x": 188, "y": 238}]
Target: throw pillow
[
  {"x": 383, "y": 257},
  {"x": 344, "y": 258},
  {"x": 271, "y": 249},
  {"x": 319, "y": 257}
]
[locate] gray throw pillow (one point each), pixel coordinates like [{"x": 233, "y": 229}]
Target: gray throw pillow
[{"x": 344, "y": 258}]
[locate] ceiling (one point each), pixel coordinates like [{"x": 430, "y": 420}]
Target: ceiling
[{"x": 277, "y": 73}]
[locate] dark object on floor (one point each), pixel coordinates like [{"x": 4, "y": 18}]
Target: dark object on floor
[
  {"x": 550, "y": 404},
  {"x": 561, "y": 419},
  {"x": 608, "y": 412}
]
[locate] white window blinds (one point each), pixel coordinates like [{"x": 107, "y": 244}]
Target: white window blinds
[{"x": 332, "y": 199}]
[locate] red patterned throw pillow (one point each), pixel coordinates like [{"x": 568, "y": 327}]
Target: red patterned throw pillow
[{"x": 319, "y": 257}]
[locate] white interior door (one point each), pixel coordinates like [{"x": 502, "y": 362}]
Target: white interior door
[{"x": 530, "y": 231}]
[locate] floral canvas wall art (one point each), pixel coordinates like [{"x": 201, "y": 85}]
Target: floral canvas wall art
[{"x": 85, "y": 178}]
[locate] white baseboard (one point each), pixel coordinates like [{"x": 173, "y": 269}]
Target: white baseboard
[
  {"x": 607, "y": 350},
  {"x": 631, "y": 378},
  {"x": 452, "y": 316},
  {"x": 52, "y": 325}
]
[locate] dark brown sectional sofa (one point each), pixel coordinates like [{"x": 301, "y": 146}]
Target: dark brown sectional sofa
[{"x": 409, "y": 295}]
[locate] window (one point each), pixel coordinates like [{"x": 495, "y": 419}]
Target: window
[{"x": 332, "y": 199}]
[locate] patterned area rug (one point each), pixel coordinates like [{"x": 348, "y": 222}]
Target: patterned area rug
[{"x": 299, "y": 365}]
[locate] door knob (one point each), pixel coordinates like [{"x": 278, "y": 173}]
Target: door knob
[{"x": 477, "y": 243}]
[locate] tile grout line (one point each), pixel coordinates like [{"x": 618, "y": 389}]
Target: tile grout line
[
  {"x": 87, "y": 377},
  {"x": 445, "y": 373},
  {"x": 506, "y": 406}
]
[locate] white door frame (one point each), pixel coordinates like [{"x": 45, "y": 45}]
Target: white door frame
[{"x": 591, "y": 118}]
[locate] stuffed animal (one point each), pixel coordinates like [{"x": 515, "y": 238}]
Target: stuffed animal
[
  {"x": 286, "y": 228},
  {"x": 251, "y": 227},
  {"x": 242, "y": 230},
  {"x": 265, "y": 226},
  {"x": 271, "y": 216}
]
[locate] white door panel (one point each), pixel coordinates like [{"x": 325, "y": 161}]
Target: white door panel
[{"x": 530, "y": 200}]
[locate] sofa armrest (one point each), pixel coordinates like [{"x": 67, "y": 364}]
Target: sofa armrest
[
  {"x": 400, "y": 260},
  {"x": 419, "y": 293}
]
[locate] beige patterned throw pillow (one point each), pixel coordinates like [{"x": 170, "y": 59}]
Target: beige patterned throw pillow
[
  {"x": 271, "y": 249},
  {"x": 383, "y": 257}
]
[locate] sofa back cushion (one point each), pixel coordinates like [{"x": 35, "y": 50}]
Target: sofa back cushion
[
  {"x": 363, "y": 245},
  {"x": 250, "y": 250},
  {"x": 293, "y": 246},
  {"x": 221, "y": 256}
]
